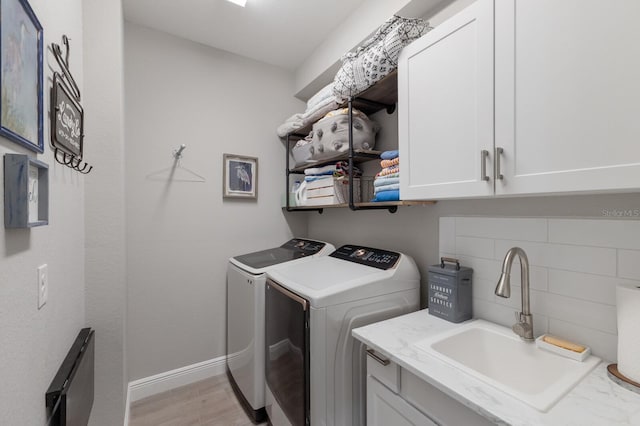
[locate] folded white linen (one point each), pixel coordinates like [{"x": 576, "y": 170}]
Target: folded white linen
[
  {"x": 290, "y": 126},
  {"x": 321, "y": 96},
  {"x": 321, "y": 170},
  {"x": 319, "y": 111}
]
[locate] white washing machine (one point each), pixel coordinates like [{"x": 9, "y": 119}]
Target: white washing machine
[
  {"x": 315, "y": 370},
  {"x": 246, "y": 276}
]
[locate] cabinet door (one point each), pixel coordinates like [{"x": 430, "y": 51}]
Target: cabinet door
[
  {"x": 567, "y": 95},
  {"x": 385, "y": 408},
  {"x": 445, "y": 108}
]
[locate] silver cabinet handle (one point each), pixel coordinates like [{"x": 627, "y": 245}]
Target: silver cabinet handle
[
  {"x": 483, "y": 165},
  {"x": 499, "y": 175},
  {"x": 377, "y": 357}
]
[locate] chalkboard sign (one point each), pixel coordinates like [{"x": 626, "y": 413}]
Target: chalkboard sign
[{"x": 67, "y": 119}]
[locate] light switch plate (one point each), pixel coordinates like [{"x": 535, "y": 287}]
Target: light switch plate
[{"x": 43, "y": 285}]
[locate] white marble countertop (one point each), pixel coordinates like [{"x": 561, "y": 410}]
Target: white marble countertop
[{"x": 596, "y": 400}]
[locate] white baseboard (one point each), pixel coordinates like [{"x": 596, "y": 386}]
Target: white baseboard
[{"x": 149, "y": 386}]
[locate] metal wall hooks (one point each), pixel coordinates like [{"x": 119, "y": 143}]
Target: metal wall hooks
[
  {"x": 64, "y": 65},
  {"x": 71, "y": 161}
]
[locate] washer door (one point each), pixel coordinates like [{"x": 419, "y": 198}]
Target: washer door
[{"x": 287, "y": 351}]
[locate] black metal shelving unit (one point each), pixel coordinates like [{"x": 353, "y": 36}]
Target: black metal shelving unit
[{"x": 383, "y": 95}]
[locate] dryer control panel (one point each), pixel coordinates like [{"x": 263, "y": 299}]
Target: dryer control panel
[
  {"x": 376, "y": 258},
  {"x": 305, "y": 247}
]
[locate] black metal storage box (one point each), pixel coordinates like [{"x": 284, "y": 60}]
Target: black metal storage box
[{"x": 450, "y": 291}]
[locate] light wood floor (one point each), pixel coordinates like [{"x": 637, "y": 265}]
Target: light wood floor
[{"x": 210, "y": 402}]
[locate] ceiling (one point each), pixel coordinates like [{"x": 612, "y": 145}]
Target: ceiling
[{"x": 278, "y": 32}]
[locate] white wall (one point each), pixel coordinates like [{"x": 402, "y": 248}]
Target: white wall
[
  {"x": 34, "y": 342},
  {"x": 180, "y": 234},
  {"x": 105, "y": 245}
]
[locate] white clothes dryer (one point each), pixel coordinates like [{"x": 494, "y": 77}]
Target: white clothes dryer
[
  {"x": 246, "y": 277},
  {"x": 315, "y": 370}
]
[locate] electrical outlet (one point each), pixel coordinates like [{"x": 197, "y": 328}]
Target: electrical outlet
[{"x": 43, "y": 285}]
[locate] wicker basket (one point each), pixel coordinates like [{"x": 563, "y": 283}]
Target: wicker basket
[{"x": 362, "y": 189}]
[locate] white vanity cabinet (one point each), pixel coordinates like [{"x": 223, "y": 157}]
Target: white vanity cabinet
[
  {"x": 397, "y": 397},
  {"x": 561, "y": 79}
]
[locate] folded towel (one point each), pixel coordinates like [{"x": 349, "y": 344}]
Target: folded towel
[
  {"x": 390, "y": 175},
  {"x": 328, "y": 177},
  {"x": 382, "y": 181},
  {"x": 388, "y": 187},
  {"x": 388, "y": 171},
  {"x": 393, "y": 195},
  {"x": 328, "y": 169},
  {"x": 389, "y": 155},
  {"x": 390, "y": 163},
  {"x": 322, "y": 95}
]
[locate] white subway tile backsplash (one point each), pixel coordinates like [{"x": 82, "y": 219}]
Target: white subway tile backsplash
[
  {"x": 502, "y": 228},
  {"x": 587, "y": 314},
  {"x": 575, "y": 265},
  {"x": 476, "y": 247},
  {"x": 448, "y": 234},
  {"x": 595, "y": 288},
  {"x": 623, "y": 234},
  {"x": 629, "y": 264},
  {"x": 594, "y": 260},
  {"x": 604, "y": 345}
]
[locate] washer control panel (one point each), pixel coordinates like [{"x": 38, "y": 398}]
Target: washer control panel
[
  {"x": 376, "y": 258},
  {"x": 306, "y": 247}
]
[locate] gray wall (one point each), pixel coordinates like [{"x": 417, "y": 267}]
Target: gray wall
[
  {"x": 180, "y": 234},
  {"x": 105, "y": 246},
  {"x": 34, "y": 342}
]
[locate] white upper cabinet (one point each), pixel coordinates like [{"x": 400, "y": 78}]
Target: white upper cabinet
[
  {"x": 566, "y": 95},
  {"x": 567, "y": 90},
  {"x": 445, "y": 108}
]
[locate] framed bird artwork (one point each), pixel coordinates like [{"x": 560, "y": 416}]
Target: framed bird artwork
[{"x": 240, "y": 176}]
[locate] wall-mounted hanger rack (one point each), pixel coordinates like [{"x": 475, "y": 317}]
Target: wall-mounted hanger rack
[
  {"x": 176, "y": 172},
  {"x": 67, "y": 115}
]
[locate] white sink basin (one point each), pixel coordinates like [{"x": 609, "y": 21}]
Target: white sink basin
[{"x": 495, "y": 355}]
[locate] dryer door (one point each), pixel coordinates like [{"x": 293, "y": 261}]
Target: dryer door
[{"x": 287, "y": 351}]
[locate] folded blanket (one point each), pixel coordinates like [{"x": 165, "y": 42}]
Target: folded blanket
[
  {"x": 390, "y": 163},
  {"x": 388, "y": 171},
  {"x": 320, "y": 96},
  {"x": 393, "y": 195},
  {"x": 381, "y": 181},
  {"x": 388, "y": 187},
  {"x": 326, "y": 170},
  {"x": 319, "y": 111},
  {"x": 389, "y": 155},
  {"x": 288, "y": 127}
]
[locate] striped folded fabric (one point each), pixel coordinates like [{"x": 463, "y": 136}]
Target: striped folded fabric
[
  {"x": 390, "y": 163},
  {"x": 388, "y": 171}
]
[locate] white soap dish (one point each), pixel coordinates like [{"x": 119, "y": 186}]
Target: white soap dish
[{"x": 567, "y": 353}]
